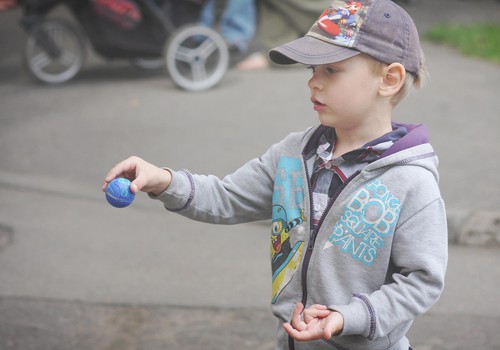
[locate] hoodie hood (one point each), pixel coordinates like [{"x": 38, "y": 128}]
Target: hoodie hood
[
  {"x": 413, "y": 148},
  {"x": 417, "y": 135}
]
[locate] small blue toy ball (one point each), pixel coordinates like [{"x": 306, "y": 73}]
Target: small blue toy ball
[{"x": 118, "y": 193}]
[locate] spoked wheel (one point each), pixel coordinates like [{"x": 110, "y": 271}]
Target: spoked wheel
[
  {"x": 54, "y": 51},
  {"x": 197, "y": 58}
]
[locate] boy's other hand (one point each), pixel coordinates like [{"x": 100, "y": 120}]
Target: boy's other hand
[
  {"x": 144, "y": 176},
  {"x": 319, "y": 322}
]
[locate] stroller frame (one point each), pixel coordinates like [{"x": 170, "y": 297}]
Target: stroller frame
[{"x": 166, "y": 35}]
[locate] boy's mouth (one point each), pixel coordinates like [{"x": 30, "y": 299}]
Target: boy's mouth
[{"x": 317, "y": 105}]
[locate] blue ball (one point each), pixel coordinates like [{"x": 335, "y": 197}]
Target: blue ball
[{"x": 118, "y": 193}]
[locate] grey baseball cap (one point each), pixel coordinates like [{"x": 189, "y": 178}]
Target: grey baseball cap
[{"x": 378, "y": 28}]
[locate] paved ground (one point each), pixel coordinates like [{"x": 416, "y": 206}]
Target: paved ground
[{"x": 77, "y": 274}]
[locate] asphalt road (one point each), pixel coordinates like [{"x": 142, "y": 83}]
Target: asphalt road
[{"x": 78, "y": 274}]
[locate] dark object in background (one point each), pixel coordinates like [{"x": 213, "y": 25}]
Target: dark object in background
[{"x": 150, "y": 33}]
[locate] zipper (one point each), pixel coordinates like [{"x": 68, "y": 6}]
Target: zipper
[
  {"x": 312, "y": 239},
  {"x": 314, "y": 232}
]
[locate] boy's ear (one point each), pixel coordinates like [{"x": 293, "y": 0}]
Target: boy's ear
[{"x": 393, "y": 77}]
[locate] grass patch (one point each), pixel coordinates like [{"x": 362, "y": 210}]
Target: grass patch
[{"x": 478, "y": 40}]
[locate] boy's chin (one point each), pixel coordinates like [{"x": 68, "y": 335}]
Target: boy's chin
[{"x": 326, "y": 121}]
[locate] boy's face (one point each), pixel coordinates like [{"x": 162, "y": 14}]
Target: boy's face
[{"x": 345, "y": 94}]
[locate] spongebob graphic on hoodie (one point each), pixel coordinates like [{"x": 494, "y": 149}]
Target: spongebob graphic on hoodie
[{"x": 287, "y": 215}]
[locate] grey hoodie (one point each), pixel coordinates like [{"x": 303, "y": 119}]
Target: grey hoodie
[{"x": 379, "y": 255}]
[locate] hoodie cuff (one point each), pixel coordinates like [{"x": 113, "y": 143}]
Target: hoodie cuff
[
  {"x": 359, "y": 317},
  {"x": 179, "y": 193}
]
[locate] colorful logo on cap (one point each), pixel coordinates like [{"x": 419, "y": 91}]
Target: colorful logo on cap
[{"x": 341, "y": 22}]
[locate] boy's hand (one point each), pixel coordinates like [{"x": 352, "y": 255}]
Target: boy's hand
[
  {"x": 318, "y": 323},
  {"x": 144, "y": 176}
]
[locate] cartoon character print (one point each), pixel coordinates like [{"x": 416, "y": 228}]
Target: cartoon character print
[
  {"x": 339, "y": 21},
  {"x": 284, "y": 257},
  {"x": 370, "y": 217}
]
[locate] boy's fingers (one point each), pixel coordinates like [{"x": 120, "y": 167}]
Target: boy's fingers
[
  {"x": 290, "y": 330},
  {"x": 126, "y": 168},
  {"x": 300, "y": 335},
  {"x": 137, "y": 184},
  {"x": 310, "y": 314},
  {"x": 297, "y": 311},
  {"x": 298, "y": 308},
  {"x": 117, "y": 170},
  {"x": 328, "y": 330},
  {"x": 134, "y": 188},
  {"x": 316, "y": 313},
  {"x": 297, "y": 322},
  {"x": 113, "y": 174}
]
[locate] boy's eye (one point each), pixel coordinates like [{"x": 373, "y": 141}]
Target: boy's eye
[{"x": 326, "y": 69}]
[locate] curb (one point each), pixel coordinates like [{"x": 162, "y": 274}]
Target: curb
[{"x": 474, "y": 228}]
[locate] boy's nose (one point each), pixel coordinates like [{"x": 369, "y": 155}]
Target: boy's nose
[{"x": 314, "y": 83}]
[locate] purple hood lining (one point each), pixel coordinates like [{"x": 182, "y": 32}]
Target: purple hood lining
[{"x": 417, "y": 134}]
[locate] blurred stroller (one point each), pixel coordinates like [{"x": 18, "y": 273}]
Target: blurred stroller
[{"x": 150, "y": 33}]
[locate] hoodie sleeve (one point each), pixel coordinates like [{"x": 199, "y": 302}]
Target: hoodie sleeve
[
  {"x": 240, "y": 197},
  {"x": 243, "y": 196},
  {"x": 419, "y": 257}
]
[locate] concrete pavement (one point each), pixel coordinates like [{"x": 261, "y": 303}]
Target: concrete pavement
[
  {"x": 78, "y": 274},
  {"x": 466, "y": 317}
]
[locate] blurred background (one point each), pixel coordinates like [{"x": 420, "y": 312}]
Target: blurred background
[{"x": 76, "y": 273}]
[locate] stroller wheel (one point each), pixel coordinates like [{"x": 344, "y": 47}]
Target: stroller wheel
[
  {"x": 54, "y": 51},
  {"x": 197, "y": 57}
]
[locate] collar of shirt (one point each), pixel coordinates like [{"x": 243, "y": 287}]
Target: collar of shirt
[
  {"x": 329, "y": 173},
  {"x": 365, "y": 154}
]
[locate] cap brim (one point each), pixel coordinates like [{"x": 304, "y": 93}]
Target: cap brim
[{"x": 311, "y": 51}]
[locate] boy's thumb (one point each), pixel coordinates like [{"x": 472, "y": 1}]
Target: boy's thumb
[{"x": 134, "y": 187}]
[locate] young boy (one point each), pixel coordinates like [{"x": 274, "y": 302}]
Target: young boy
[{"x": 359, "y": 236}]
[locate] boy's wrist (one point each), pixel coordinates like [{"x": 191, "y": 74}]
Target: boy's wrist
[
  {"x": 165, "y": 178},
  {"x": 339, "y": 321},
  {"x": 334, "y": 325}
]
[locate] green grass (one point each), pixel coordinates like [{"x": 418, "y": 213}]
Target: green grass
[{"x": 478, "y": 40}]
